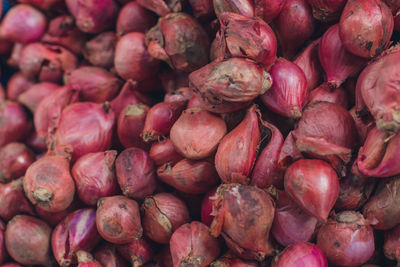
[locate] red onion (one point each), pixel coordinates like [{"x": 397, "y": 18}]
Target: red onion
[
  {"x": 190, "y": 53},
  {"x": 202, "y": 9},
  {"x": 134, "y": 18},
  {"x": 85, "y": 259},
  {"x": 162, "y": 215},
  {"x": 130, "y": 126},
  {"x": 364, "y": 124},
  {"x": 17, "y": 84},
  {"x": 327, "y": 10},
  {"x": 118, "y": 219},
  {"x": 15, "y": 124},
  {"x": 243, "y": 7},
  {"x": 392, "y": 246},
  {"x": 93, "y": 16},
  {"x": 163, "y": 7},
  {"x": 47, "y": 62},
  {"x": 135, "y": 173},
  {"x": 268, "y": 9},
  {"x": 206, "y": 207},
  {"x": 229, "y": 85},
  {"x": 99, "y": 51},
  {"x": 164, "y": 152},
  {"x": 294, "y": 25},
  {"x": 63, "y": 31},
  {"x": 229, "y": 259},
  {"x": 94, "y": 84},
  {"x": 382, "y": 210},
  {"x": 45, "y": 4},
  {"x": 36, "y": 143},
  {"x": 336, "y": 61},
  {"x": 313, "y": 185},
  {"x": 291, "y": 224},
  {"x": 47, "y": 114},
  {"x": 23, "y": 24},
  {"x": 137, "y": 252},
  {"x": 13, "y": 200},
  {"x": 76, "y": 232},
  {"x": 325, "y": 93},
  {"x": 183, "y": 94},
  {"x": 132, "y": 61},
  {"x": 366, "y": 27},
  {"x": 28, "y": 240},
  {"x": 15, "y": 158},
  {"x": 94, "y": 176},
  {"x": 243, "y": 215},
  {"x": 301, "y": 254},
  {"x": 15, "y": 54},
  {"x": 48, "y": 182},
  {"x": 173, "y": 80},
  {"x": 194, "y": 102},
  {"x": 3, "y": 251},
  {"x": 87, "y": 127},
  {"x": 108, "y": 257},
  {"x": 159, "y": 120},
  {"x": 346, "y": 239},
  {"x": 32, "y": 97},
  {"x": 126, "y": 97},
  {"x": 241, "y": 36},
  {"x": 189, "y": 176},
  {"x": 54, "y": 218},
  {"x": 192, "y": 245}
]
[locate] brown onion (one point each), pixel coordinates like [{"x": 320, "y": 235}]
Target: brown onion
[
  {"x": 99, "y": 51},
  {"x": 325, "y": 93},
  {"x": 243, "y": 7},
  {"x": 17, "y": 84},
  {"x": 327, "y": 10},
  {"x": 268, "y": 9},
  {"x": 127, "y": 96},
  {"x": 36, "y": 93},
  {"x": 15, "y": 158},
  {"x": 137, "y": 252},
  {"x": 346, "y": 239},
  {"x": 108, "y": 257},
  {"x": 391, "y": 247},
  {"x": 229, "y": 85},
  {"x": 118, "y": 219},
  {"x": 163, "y": 7},
  {"x": 15, "y": 124},
  {"x": 163, "y": 152},
  {"x": 134, "y": 18},
  {"x": 303, "y": 253},
  {"x": 366, "y": 27},
  {"x": 135, "y": 172},
  {"x": 162, "y": 215},
  {"x": 193, "y": 245}
]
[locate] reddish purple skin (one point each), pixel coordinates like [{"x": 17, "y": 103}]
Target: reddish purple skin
[
  {"x": 301, "y": 255},
  {"x": 18, "y": 84},
  {"x": 14, "y": 122},
  {"x": 36, "y": 93},
  {"x": 15, "y": 158},
  {"x": 100, "y": 50},
  {"x": 134, "y": 18}
]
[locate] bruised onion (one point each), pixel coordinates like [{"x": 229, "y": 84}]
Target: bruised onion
[
  {"x": 36, "y": 93},
  {"x": 193, "y": 245},
  {"x": 15, "y": 124},
  {"x": 366, "y": 27},
  {"x": 243, "y": 7},
  {"x": 127, "y": 96},
  {"x": 118, "y": 219},
  {"x": 135, "y": 172},
  {"x": 346, "y": 239},
  {"x": 76, "y": 232},
  {"x": 134, "y": 18},
  {"x": 18, "y": 84},
  {"x": 391, "y": 247},
  {"x": 163, "y": 152},
  {"x": 268, "y": 9},
  {"x": 327, "y": 94},
  {"x": 15, "y": 158},
  {"x": 327, "y": 10},
  {"x": 162, "y": 215},
  {"x": 303, "y": 253},
  {"x": 107, "y": 255},
  {"x": 99, "y": 51},
  {"x": 163, "y": 7},
  {"x": 28, "y": 240},
  {"x": 137, "y": 252},
  {"x": 229, "y": 85}
]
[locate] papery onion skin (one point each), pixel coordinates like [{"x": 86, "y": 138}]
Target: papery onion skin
[
  {"x": 366, "y": 27},
  {"x": 183, "y": 94},
  {"x": 34, "y": 95},
  {"x": 229, "y": 85},
  {"x": 15, "y": 158},
  {"x": 134, "y": 18},
  {"x": 289, "y": 89},
  {"x": 163, "y": 213},
  {"x": 306, "y": 254},
  {"x": 314, "y": 186},
  {"x": 346, "y": 239},
  {"x": 247, "y": 236},
  {"x": 127, "y": 96},
  {"x": 364, "y": 124},
  {"x": 391, "y": 246},
  {"x": 137, "y": 252},
  {"x": 192, "y": 244},
  {"x": 207, "y": 207},
  {"x": 100, "y": 50},
  {"x": 136, "y": 173},
  {"x": 327, "y": 94},
  {"x": 327, "y": 10},
  {"x": 163, "y": 7},
  {"x": 14, "y": 121},
  {"x": 268, "y": 9},
  {"x": 243, "y": 7},
  {"x": 75, "y": 232},
  {"x": 164, "y": 152},
  {"x": 86, "y": 259},
  {"x": 108, "y": 257},
  {"x": 17, "y": 84},
  {"x": 118, "y": 219}
]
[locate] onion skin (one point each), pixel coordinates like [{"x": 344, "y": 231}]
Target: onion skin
[
  {"x": 183, "y": 94},
  {"x": 107, "y": 256},
  {"x": 134, "y": 18},
  {"x": 172, "y": 80},
  {"x": 164, "y": 152},
  {"x": 229, "y": 259},
  {"x": 3, "y": 251},
  {"x": 207, "y": 207},
  {"x": 18, "y": 84},
  {"x": 163, "y": 7},
  {"x": 76, "y": 232},
  {"x": 193, "y": 245},
  {"x": 118, "y": 219},
  {"x": 314, "y": 186},
  {"x": 366, "y": 27},
  {"x": 268, "y": 10},
  {"x": 15, "y": 158},
  {"x": 202, "y": 9},
  {"x": 391, "y": 246},
  {"x": 87, "y": 127},
  {"x": 197, "y": 133},
  {"x": 382, "y": 209},
  {"x": 28, "y": 240},
  {"x": 23, "y": 24},
  {"x": 327, "y": 10},
  {"x": 15, "y": 123},
  {"x": 127, "y": 96},
  {"x": 137, "y": 252},
  {"x": 243, "y": 7},
  {"x": 163, "y": 213},
  {"x": 364, "y": 124},
  {"x": 301, "y": 254},
  {"x": 15, "y": 53},
  {"x": 291, "y": 224},
  {"x": 36, "y": 93},
  {"x": 100, "y": 50},
  {"x": 229, "y": 85},
  {"x": 241, "y": 36},
  {"x": 289, "y": 90},
  {"x": 246, "y": 235},
  {"x": 94, "y": 176},
  {"x": 327, "y": 94},
  {"x": 131, "y": 60},
  {"x": 347, "y": 239},
  {"x": 136, "y": 173},
  {"x": 94, "y": 84},
  {"x": 294, "y": 25},
  {"x": 54, "y": 218},
  {"x": 13, "y": 200},
  {"x": 85, "y": 259}
]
